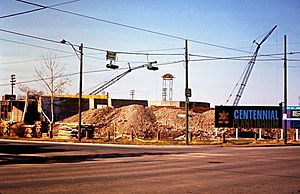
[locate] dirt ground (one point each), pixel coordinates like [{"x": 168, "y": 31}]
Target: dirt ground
[
  {"x": 146, "y": 122},
  {"x": 152, "y": 123}
]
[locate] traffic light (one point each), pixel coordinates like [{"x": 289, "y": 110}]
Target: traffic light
[
  {"x": 151, "y": 67},
  {"x": 111, "y": 56},
  {"x": 112, "y": 66}
]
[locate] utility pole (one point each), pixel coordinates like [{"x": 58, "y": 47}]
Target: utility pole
[
  {"x": 13, "y": 81},
  {"x": 285, "y": 93},
  {"x": 80, "y": 91},
  {"x": 132, "y": 93},
  {"x": 187, "y": 94}
]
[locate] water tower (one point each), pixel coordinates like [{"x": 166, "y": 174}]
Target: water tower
[{"x": 167, "y": 87}]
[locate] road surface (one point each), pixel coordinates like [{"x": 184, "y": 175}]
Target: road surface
[{"x": 29, "y": 167}]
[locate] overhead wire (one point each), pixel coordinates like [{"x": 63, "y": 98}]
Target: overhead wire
[
  {"x": 43, "y": 47},
  {"x": 99, "y": 86},
  {"x": 97, "y": 71},
  {"x": 33, "y": 45},
  {"x": 207, "y": 58},
  {"x": 58, "y": 50},
  {"x": 163, "y": 49},
  {"x": 34, "y": 10},
  {"x": 154, "y": 54},
  {"x": 85, "y": 72},
  {"x": 133, "y": 53},
  {"x": 132, "y": 27},
  {"x": 136, "y": 53},
  {"x": 33, "y": 60},
  {"x": 30, "y": 36},
  {"x": 65, "y": 75},
  {"x": 87, "y": 47}
]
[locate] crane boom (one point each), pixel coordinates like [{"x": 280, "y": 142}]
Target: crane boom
[{"x": 249, "y": 69}]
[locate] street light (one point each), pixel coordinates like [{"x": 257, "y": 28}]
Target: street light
[{"x": 63, "y": 41}]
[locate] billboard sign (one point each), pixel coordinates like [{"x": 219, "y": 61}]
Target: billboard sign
[
  {"x": 293, "y": 117},
  {"x": 248, "y": 116}
]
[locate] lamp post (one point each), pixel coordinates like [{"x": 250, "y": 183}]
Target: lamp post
[{"x": 80, "y": 57}]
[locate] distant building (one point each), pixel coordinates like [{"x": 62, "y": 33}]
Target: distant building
[
  {"x": 37, "y": 108},
  {"x": 195, "y": 106},
  {"x": 67, "y": 105},
  {"x": 13, "y": 109}
]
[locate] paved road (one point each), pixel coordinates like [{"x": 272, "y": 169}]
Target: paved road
[{"x": 27, "y": 167}]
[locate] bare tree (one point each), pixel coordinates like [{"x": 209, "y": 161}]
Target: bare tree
[
  {"x": 28, "y": 91},
  {"x": 54, "y": 82}
]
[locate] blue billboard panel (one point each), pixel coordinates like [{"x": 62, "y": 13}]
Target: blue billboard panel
[
  {"x": 293, "y": 117},
  {"x": 248, "y": 116}
]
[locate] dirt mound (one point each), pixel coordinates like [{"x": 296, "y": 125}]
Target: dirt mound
[
  {"x": 95, "y": 116},
  {"x": 145, "y": 121},
  {"x": 134, "y": 117}
]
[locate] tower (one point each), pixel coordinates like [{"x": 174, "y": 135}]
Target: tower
[{"x": 167, "y": 87}]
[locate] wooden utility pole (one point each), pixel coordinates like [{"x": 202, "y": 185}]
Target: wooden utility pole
[
  {"x": 187, "y": 94},
  {"x": 80, "y": 92},
  {"x": 285, "y": 93}
]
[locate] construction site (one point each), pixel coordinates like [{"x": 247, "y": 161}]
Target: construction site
[
  {"x": 139, "y": 119},
  {"x": 117, "y": 120},
  {"x": 98, "y": 116}
]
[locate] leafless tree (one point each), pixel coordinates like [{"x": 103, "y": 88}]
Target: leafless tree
[
  {"x": 28, "y": 91},
  {"x": 53, "y": 80}
]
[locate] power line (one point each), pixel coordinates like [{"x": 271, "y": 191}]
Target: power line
[
  {"x": 66, "y": 75},
  {"x": 120, "y": 52},
  {"x": 240, "y": 57},
  {"x": 33, "y": 60},
  {"x": 106, "y": 70},
  {"x": 104, "y": 50},
  {"x": 30, "y": 36},
  {"x": 86, "y": 55},
  {"x": 151, "y": 54},
  {"x": 33, "y": 45},
  {"x": 134, "y": 53},
  {"x": 34, "y": 10},
  {"x": 132, "y": 27},
  {"x": 86, "y": 72},
  {"x": 86, "y": 47},
  {"x": 163, "y": 49}
]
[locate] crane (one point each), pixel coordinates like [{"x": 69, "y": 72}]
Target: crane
[{"x": 249, "y": 68}]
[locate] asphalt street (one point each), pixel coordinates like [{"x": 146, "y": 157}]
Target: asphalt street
[{"x": 30, "y": 167}]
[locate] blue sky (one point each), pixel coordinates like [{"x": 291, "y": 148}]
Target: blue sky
[{"x": 230, "y": 23}]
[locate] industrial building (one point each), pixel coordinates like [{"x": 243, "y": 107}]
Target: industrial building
[{"x": 37, "y": 107}]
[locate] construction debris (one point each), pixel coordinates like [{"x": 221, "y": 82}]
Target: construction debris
[{"x": 146, "y": 122}]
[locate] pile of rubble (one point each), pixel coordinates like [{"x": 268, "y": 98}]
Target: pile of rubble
[{"x": 145, "y": 122}]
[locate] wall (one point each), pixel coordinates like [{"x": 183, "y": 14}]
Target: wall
[{"x": 117, "y": 103}]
